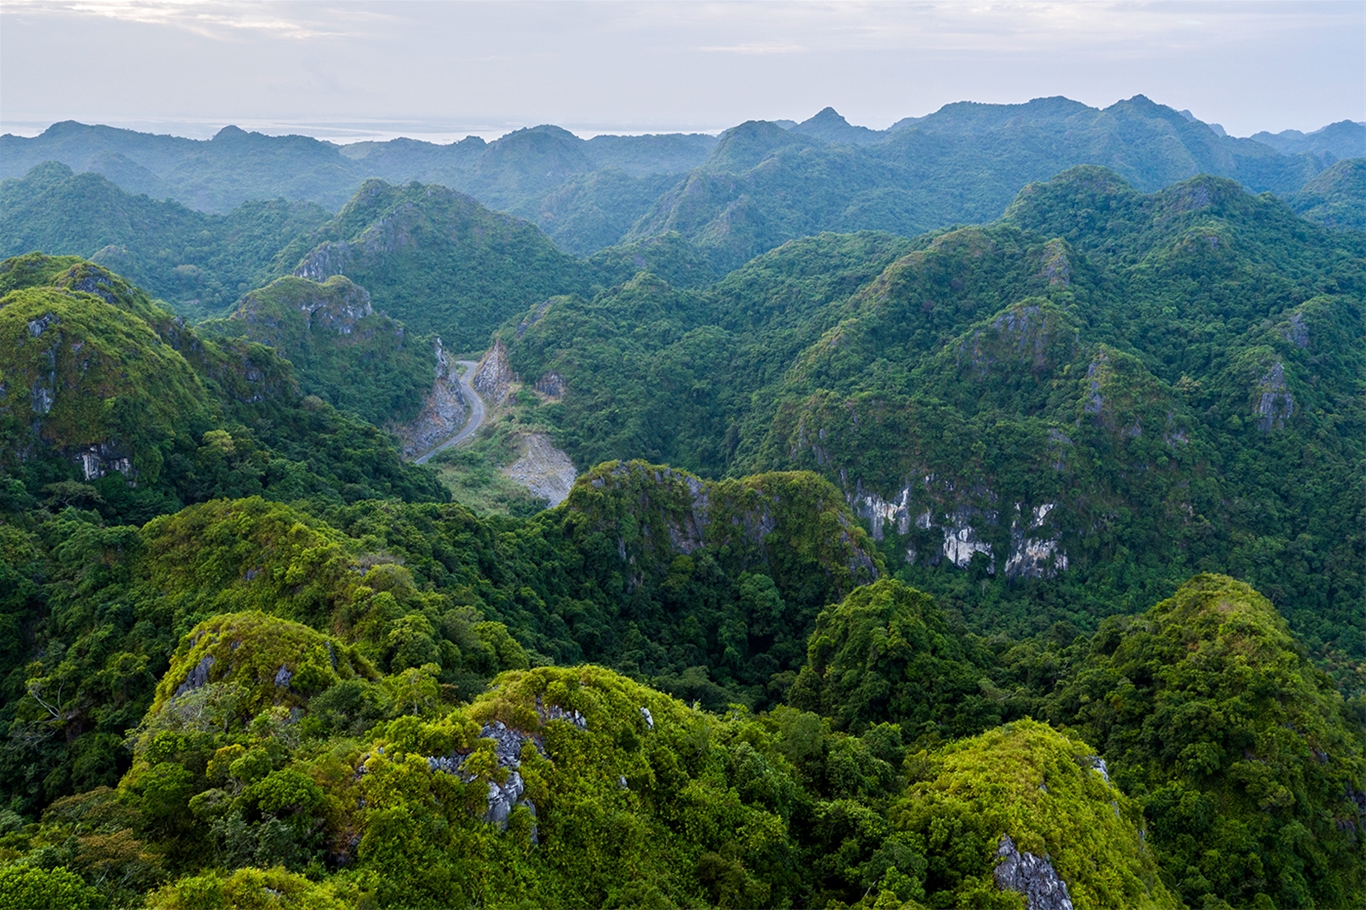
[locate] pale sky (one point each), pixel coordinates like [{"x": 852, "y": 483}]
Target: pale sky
[{"x": 441, "y": 70}]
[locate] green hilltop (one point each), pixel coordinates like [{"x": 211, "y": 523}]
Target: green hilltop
[
  {"x": 1102, "y": 378},
  {"x": 1015, "y": 565},
  {"x": 199, "y": 262}
]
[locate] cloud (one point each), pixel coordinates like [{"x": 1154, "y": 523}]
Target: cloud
[
  {"x": 218, "y": 20},
  {"x": 764, "y": 47}
]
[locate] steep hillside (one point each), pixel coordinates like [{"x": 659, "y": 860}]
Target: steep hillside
[
  {"x": 342, "y": 350},
  {"x": 1205, "y": 706},
  {"x": 1337, "y": 197},
  {"x": 437, "y": 260},
  {"x": 199, "y": 263},
  {"x": 1096, "y": 396},
  {"x": 113, "y": 403}
]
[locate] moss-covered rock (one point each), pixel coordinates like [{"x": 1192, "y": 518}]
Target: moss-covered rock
[
  {"x": 253, "y": 662},
  {"x": 1050, "y": 796}
]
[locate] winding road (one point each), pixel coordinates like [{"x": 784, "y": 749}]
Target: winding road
[{"x": 476, "y": 413}]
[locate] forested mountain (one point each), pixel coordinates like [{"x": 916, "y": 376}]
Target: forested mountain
[
  {"x": 113, "y": 403},
  {"x": 1337, "y": 197},
  {"x": 1100, "y": 379},
  {"x": 763, "y": 185},
  {"x": 201, "y": 263},
  {"x": 1344, "y": 139},
  {"x": 1016, "y": 565},
  {"x": 436, "y": 259},
  {"x": 354, "y": 358},
  {"x": 756, "y": 186}
]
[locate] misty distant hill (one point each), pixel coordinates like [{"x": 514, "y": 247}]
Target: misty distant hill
[{"x": 757, "y": 185}]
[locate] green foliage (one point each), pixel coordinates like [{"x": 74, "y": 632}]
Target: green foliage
[
  {"x": 355, "y": 359},
  {"x": 32, "y": 888},
  {"x": 1040, "y": 788},
  {"x": 245, "y": 889},
  {"x": 884, "y": 653},
  {"x": 200, "y": 263},
  {"x": 1245, "y": 759}
]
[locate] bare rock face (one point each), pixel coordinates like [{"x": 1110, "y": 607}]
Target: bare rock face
[
  {"x": 543, "y": 469},
  {"x": 507, "y": 747},
  {"x": 1275, "y": 404},
  {"x": 443, "y": 413},
  {"x": 1032, "y": 876},
  {"x": 493, "y": 377},
  {"x": 198, "y": 677}
]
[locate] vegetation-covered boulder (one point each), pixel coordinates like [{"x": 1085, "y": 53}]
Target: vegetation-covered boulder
[
  {"x": 249, "y": 662},
  {"x": 94, "y": 383}
]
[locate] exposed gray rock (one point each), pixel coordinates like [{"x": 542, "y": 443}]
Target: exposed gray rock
[
  {"x": 1056, "y": 267},
  {"x": 503, "y": 798},
  {"x": 99, "y": 460},
  {"x": 543, "y": 469},
  {"x": 649, "y": 718},
  {"x": 198, "y": 675},
  {"x": 42, "y": 399},
  {"x": 1031, "y": 555},
  {"x": 1096, "y": 403},
  {"x": 555, "y": 712},
  {"x": 1275, "y": 404},
  {"x": 443, "y": 413},
  {"x": 507, "y": 747},
  {"x": 1032, "y": 876},
  {"x": 283, "y": 676},
  {"x": 552, "y": 386},
  {"x": 493, "y": 377},
  {"x": 37, "y": 326},
  {"x": 1097, "y": 764},
  {"x": 962, "y": 541},
  {"x": 1295, "y": 331}
]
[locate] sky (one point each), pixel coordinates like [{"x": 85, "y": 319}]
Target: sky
[{"x": 443, "y": 70}]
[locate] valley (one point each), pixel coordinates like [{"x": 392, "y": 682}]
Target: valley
[{"x": 804, "y": 516}]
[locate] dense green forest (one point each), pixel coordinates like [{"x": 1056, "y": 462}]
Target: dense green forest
[
  {"x": 201, "y": 263},
  {"x": 754, "y": 187},
  {"x": 1079, "y": 405},
  {"x": 992, "y": 567}
]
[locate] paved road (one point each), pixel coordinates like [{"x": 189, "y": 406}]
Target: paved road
[{"x": 476, "y": 412}]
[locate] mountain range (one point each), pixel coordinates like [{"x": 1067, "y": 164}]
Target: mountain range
[
  {"x": 966, "y": 514},
  {"x": 738, "y": 194}
]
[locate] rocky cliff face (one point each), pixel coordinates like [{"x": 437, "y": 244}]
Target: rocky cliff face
[
  {"x": 969, "y": 520},
  {"x": 1275, "y": 405},
  {"x": 443, "y": 413},
  {"x": 494, "y": 377},
  {"x": 1030, "y": 875}
]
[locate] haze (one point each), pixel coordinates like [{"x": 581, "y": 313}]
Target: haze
[{"x": 443, "y": 70}]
